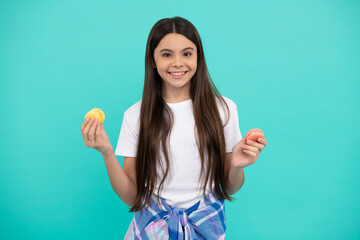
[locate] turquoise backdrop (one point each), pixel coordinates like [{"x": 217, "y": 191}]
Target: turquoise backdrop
[{"x": 292, "y": 68}]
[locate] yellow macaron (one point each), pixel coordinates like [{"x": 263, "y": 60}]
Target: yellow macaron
[{"x": 96, "y": 113}]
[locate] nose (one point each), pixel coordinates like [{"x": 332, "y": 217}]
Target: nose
[{"x": 177, "y": 61}]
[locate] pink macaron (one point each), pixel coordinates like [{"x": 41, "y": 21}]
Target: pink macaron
[{"x": 254, "y": 134}]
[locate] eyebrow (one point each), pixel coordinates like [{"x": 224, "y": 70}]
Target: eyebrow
[{"x": 165, "y": 49}]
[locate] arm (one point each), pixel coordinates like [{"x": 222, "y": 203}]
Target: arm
[
  {"x": 123, "y": 181},
  {"x": 234, "y": 176},
  {"x": 243, "y": 154}
]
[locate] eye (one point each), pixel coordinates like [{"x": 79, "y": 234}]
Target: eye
[
  {"x": 188, "y": 53},
  {"x": 166, "y": 54}
]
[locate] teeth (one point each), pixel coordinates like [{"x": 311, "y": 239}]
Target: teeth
[{"x": 177, "y": 74}]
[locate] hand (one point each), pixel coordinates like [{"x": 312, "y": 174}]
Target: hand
[
  {"x": 94, "y": 136},
  {"x": 245, "y": 154}
]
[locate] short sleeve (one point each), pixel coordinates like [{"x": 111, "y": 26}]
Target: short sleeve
[
  {"x": 128, "y": 138},
  {"x": 232, "y": 130}
]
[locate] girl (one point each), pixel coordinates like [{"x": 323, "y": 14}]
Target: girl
[{"x": 184, "y": 154}]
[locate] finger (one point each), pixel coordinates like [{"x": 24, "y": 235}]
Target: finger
[
  {"x": 91, "y": 133},
  {"x": 255, "y": 144},
  {"x": 251, "y": 148},
  {"x": 85, "y": 129},
  {"x": 88, "y": 125},
  {"x": 97, "y": 133},
  {"x": 84, "y": 124},
  {"x": 250, "y": 152},
  {"x": 263, "y": 141}
]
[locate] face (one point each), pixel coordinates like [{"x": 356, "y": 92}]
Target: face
[{"x": 175, "y": 54}]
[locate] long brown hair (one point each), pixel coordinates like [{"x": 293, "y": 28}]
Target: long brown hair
[{"x": 156, "y": 119}]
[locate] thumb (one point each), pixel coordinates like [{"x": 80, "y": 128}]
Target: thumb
[
  {"x": 103, "y": 130},
  {"x": 97, "y": 132}
]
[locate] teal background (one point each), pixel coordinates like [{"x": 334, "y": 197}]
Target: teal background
[{"x": 292, "y": 68}]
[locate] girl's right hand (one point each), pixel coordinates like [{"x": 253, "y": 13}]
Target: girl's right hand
[{"x": 94, "y": 136}]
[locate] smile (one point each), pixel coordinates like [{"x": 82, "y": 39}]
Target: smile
[{"x": 177, "y": 75}]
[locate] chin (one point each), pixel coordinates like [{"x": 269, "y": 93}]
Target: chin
[{"x": 179, "y": 85}]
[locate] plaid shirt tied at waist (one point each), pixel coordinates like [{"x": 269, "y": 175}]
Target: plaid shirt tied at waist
[{"x": 204, "y": 220}]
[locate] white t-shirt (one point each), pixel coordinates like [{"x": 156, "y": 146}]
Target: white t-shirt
[{"x": 182, "y": 187}]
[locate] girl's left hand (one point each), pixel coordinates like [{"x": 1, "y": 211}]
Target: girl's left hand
[{"x": 246, "y": 153}]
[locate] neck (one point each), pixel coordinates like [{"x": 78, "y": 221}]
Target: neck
[{"x": 176, "y": 95}]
